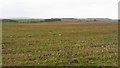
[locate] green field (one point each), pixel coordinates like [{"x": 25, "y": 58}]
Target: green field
[{"x": 60, "y": 44}]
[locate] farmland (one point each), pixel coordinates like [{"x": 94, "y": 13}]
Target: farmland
[{"x": 61, "y": 44}]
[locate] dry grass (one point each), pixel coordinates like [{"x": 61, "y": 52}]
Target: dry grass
[{"x": 68, "y": 44}]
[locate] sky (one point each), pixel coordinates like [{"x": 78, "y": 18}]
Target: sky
[{"x": 59, "y": 9}]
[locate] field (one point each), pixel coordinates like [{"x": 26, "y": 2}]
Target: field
[{"x": 60, "y": 44}]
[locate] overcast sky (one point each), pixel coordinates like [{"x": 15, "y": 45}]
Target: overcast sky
[{"x": 59, "y": 8}]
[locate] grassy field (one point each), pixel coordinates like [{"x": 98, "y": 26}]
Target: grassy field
[{"x": 61, "y": 44}]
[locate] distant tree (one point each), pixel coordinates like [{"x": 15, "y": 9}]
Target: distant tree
[
  {"x": 95, "y": 20},
  {"x": 8, "y": 20},
  {"x": 51, "y": 20}
]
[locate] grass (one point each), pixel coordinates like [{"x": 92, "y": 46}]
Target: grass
[{"x": 61, "y": 44}]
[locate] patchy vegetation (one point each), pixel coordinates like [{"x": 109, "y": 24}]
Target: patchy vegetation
[{"x": 61, "y": 44}]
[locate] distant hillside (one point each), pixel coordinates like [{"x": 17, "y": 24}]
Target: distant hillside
[
  {"x": 29, "y": 20},
  {"x": 59, "y": 20},
  {"x": 70, "y": 20},
  {"x": 82, "y": 20},
  {"x": 98, "y": 20},
  {"x": 8, "y": 20}
]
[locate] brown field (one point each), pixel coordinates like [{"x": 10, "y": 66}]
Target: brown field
[{"x": 60, "y": 44}]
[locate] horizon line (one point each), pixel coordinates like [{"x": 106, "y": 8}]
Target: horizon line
[{"x": 56, "y": 17}]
